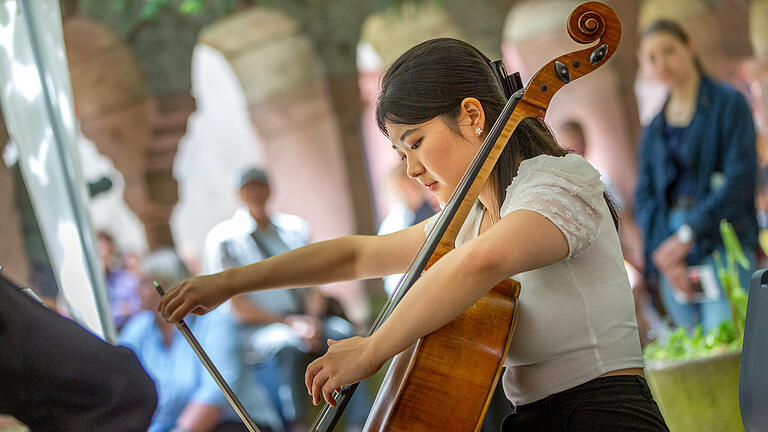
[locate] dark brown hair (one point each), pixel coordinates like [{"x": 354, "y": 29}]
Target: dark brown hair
[
  {"x": 674, "y": 29},
  {"x": 432, "y": 78}
]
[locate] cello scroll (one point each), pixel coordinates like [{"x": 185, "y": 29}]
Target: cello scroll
[{"x": 589, "y": 23}]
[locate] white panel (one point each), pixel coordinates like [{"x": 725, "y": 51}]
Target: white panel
[{"x": 37, "y": 104}]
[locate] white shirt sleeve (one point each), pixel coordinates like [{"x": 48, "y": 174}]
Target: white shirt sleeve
[
  {"x": 566, "y": 190},
  {"x": 431, "y": 222}
]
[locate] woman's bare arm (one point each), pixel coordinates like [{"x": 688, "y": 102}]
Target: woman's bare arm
[{"x": 345, "y": 258}]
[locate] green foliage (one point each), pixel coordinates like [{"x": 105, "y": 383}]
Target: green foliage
[
  {"x": 729, "y": 275},
  {"x": 191, "y": 6},
  {"x": 680, "y": 345},
  {"x": 728, "y": 336},
  {"x": 152, "y": 8}
]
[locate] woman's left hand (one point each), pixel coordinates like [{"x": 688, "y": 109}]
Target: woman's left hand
[{"x": 347, "y": 361}]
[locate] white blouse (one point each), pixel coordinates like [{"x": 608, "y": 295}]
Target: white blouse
[{"x": 576, "y": 317}]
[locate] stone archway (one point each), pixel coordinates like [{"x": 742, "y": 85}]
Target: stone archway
[
  {"x": 111, "y": 101},
  {"x": 287, "y": 97},
  {"x": 138, "y": 127}
]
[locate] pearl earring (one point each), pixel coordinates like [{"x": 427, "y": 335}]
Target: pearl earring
[{"x": 478, "y": 131}]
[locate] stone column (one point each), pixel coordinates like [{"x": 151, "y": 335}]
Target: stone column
[
  {"x": 138, "y": 132},
  {"x": 110, "y": 101},
  {"x": 169, "y": 123},
  {"x": 758, "y": 28}
]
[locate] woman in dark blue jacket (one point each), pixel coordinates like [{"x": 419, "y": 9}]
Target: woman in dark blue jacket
[{"x": 697, "y": 166}]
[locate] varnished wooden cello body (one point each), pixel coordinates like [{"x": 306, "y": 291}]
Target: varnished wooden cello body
[{"x": 444, "y": 382}]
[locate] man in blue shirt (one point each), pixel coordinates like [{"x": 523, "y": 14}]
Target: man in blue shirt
[
  {"x": 280, "y": 329},
  {"x": 188, "y": 398}
]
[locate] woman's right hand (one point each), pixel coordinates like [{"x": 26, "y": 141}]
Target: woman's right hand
[{"x": 198, "y": 295}]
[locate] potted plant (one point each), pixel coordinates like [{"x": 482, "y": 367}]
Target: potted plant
[{"x": 694, "y": 376}]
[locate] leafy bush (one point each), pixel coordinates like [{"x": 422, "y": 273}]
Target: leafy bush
[
  {"x": 728, "y": 336},
  {"x": 679, "y": 345}
]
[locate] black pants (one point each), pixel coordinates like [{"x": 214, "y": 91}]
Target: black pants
[
  {"x": 614, "y": 403},
  {"x": 56, "y": 376}
]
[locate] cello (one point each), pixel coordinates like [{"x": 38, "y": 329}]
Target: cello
[{"x": 445, "y": 380}]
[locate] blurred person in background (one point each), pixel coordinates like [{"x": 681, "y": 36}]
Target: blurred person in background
[
  {"x": 282, "y": 330},
  {"x": 697, "y": 166},
  {"x": 189, "y": 400},
  {"x": 122, "y": 283},
  {"x": 412, "y": 205}
]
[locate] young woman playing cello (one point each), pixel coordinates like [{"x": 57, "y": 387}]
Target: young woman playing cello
[{"x": 575, "y": 362}]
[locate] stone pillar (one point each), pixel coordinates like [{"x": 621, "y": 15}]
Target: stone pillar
[
  {"x": 625, "y": 63},
  {"x": 535, "y": 34},
  {"x": 122, "y": 135},
  {"x": 110, "y": 101},
  {"x": 138, "y": 132},
  {"x": 12, "y": 253},
  {"x": 169, "y": 123},
  {"x": 758, "y": 28}
]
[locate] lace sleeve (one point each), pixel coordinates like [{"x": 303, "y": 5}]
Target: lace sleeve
[{"x": 572, "y": 204}]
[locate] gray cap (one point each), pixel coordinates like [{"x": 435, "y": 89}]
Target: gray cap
[{"x": 252, "y": 174}]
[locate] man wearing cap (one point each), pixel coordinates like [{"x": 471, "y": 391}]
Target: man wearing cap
[{"x": 280, "y": 328}]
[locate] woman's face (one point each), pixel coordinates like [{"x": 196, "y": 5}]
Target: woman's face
[
  {"x": 435, "y": 155},
  {"x": 668, "y": 58}
]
